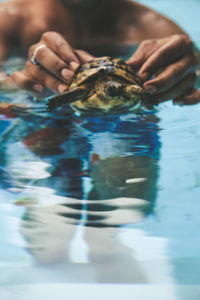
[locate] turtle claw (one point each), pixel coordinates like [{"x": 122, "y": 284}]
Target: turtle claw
[{"x": 50, "y": 105}]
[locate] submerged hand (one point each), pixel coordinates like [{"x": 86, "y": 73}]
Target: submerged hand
[
  {"x": 56, "y": 63},
  {"x": 167, "y": 66},
  {"x": 191, "y": 98}
]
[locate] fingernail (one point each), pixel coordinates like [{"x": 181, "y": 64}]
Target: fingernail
[
  {"x": 132, "y": 62},
  {"x": 73, "y": 65},
  {"x": 38, "y": 87},
  {"x": 144, "y": 76},
  {"x": 66, "y": 74},
  {"x": 62, "y": 88},
  {"x": 150, "y": 89}
]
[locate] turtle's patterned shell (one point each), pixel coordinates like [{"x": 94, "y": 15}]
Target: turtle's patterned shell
[{"x": 113, "y": 66}]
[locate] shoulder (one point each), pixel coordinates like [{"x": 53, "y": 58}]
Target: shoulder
[
  {"x": 151, "y": 23},
  {"x": 160, "y": 25}
]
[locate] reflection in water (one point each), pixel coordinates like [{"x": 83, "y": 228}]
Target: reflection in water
[
  {"x": 89, "y": 173},
  {"x": 85, "y": 161},
  {"x": 52, "y": 239}
]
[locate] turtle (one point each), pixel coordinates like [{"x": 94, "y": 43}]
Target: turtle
[{"x": 103, "y": 85}]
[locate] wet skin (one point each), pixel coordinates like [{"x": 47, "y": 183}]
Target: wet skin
[{"x": 165, "y": 58}]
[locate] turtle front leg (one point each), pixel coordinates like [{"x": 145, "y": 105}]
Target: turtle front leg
[
  {"x": 135, "y": 92},
  {"x": 133, "y": 89},
  {"x": 67, "y": 98}
]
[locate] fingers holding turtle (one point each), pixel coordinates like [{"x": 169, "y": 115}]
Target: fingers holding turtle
[
  {"x": 52, "y": 63},
  {"x": 166, "y": 66}
]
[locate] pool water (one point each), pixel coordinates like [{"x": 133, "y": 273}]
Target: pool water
[{"x": 101, "y": 207}]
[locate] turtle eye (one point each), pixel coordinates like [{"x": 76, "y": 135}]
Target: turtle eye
[{"x": 113, "y": 89}]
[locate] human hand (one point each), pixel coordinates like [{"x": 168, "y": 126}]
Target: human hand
[
  {"x": 56, "y": 63},
  {"x": 167, "y": 67}
]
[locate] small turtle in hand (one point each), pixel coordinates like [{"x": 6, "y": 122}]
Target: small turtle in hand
[{"x": 103, "y": 85}]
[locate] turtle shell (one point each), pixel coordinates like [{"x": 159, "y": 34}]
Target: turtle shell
[{"x": 111, "y": 66}]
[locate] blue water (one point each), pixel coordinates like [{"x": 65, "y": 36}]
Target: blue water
[{"x": 104, "y": 207}]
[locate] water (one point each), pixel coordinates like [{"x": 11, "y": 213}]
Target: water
[{"x": 104, "y": 207}]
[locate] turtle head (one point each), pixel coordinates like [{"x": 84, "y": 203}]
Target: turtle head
[{"x": 113, "y": 89}]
